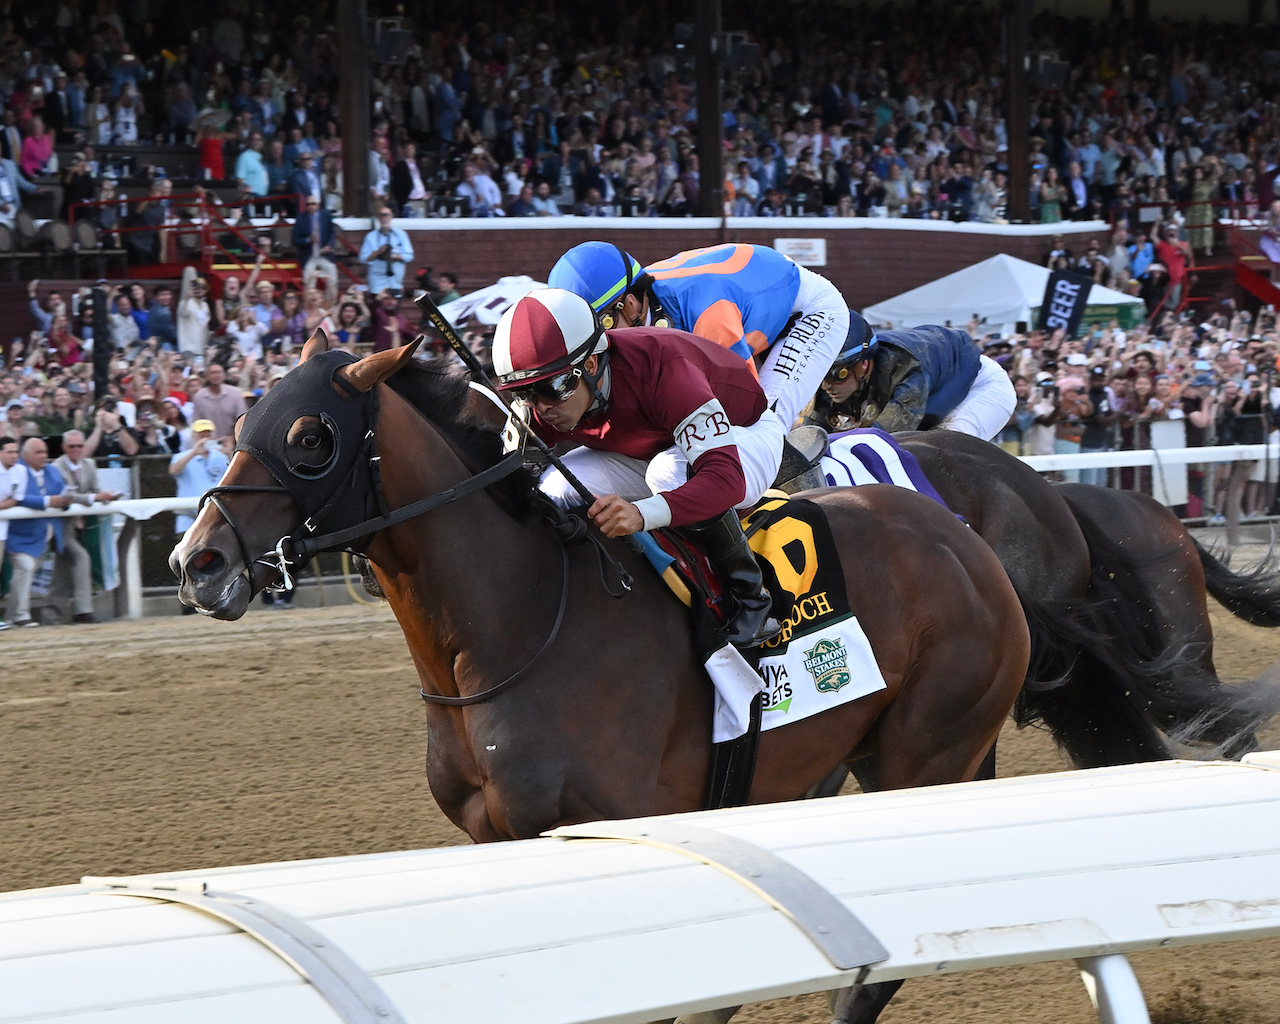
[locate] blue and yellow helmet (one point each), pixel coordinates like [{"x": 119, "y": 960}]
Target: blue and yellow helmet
[{"x": 600, "y": 272}]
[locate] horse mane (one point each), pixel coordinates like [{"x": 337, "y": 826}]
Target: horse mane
[{"x": 439, "y": 392}]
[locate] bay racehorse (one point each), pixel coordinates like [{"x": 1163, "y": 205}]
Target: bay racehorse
[
  {"x": 612, "y": 716},
  {"x": 1114, "y": 588}
]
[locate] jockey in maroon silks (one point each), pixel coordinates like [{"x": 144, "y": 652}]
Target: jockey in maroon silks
[{"x": 674, "y": 430}]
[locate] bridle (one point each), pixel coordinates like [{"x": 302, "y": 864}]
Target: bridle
[
  {"x": 341, "y": 493},
  {"x": 359, "y": 482}
]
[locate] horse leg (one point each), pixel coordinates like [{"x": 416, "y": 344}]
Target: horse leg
[
  {"x": 709, "y": 1016},
  {"x": 899, "y": 762},
  {"x": 987, "y": 770},
  {"x": 831, "y": 785},
  {"x": 862, "y": 1004}
]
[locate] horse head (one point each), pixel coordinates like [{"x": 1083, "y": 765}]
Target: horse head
[{"x": 300, "y": 453}]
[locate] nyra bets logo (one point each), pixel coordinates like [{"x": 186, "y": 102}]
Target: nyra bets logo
[{"x": 828, "y": 662}]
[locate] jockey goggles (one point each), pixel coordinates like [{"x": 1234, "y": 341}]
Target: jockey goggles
[
  {"x": 851, "y": 356},
  {"x": 559, "y": 388}
]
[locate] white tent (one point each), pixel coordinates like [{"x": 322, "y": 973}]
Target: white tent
[
  {"x": 488, "y": 304},
  {"x": 1001, "y": 290}
]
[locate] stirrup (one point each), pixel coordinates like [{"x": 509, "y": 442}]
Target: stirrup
[
  {"x": 801, "y": 468},
  {"x": 769, "y": 629}
]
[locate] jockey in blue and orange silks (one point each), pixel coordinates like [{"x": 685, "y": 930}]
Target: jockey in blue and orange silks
[{"x": 747, "y": 298}]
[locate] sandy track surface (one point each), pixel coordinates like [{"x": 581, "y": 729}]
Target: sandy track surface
[{"x": 185, "y": 743}]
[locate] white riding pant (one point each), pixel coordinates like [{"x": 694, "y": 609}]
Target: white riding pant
[
  {"x": 986, "y": 409},
  {"x": 794, "y": 365},
  {"x": 759, "y": 450}
]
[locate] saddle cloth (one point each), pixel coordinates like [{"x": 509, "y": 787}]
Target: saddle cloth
[
  {"x": 821, "y": 659},
  {"x": 869, "y": 455}
]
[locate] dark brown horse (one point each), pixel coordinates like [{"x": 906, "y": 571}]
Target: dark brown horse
[
  {"x": 613, "y": 719},
  {"x": 1114, "y": 591}
]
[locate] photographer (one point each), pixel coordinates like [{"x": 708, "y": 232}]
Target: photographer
[
  {"x": 110, "y": 435},
  {"x": 1039, "y": 438},
  {"x": 385, "y": 252},
  {"x": 1199, "y": 404},
  {"x": 1098, "y": 435},
  {"x": 1073, "y": 408}
]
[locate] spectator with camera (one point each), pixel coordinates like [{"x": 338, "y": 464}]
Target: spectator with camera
[
  {"x": 1074, "y": 407},
  {"x": 1098, "y": 434},
  {"x": 1043, "y": 405},
  {"x": 199, "y": 467},
  {"x": 385, "y": 252},
  {"x": 111, "y": 436},
  {"x": 1012, "y": 439}
]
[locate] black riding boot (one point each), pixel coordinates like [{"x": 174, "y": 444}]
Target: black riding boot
[{"x": 727, "y": 547}]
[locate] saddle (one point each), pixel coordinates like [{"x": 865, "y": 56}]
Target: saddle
[{"x": 693, "y": 573}]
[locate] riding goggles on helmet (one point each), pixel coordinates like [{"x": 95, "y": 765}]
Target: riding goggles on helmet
[
  {"x": 861, "y": 344},
  {"x": 559, "y": 388}
]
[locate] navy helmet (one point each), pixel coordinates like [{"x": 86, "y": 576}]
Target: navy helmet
[{"x": 859, "y": 344}]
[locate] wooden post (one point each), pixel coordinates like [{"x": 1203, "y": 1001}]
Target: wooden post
[
  {"x": 710, "y": 51},
  {"x": 353, "y": 99},
  {"x": 1017, "y": 110}
]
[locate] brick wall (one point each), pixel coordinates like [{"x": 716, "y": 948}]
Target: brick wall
[
  {"x": 868, "y": 261},
  {"x": 868, "y": 265}
]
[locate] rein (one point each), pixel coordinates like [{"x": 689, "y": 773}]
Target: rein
[
  {"x": 358, "y": 479},
  {"x": 493, "y": 691}
]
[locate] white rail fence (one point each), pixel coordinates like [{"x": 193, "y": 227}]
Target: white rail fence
[
  {"x": 635, "y": 921},
  {"x": 1169, "y": 466},
  {"x": 133, "y": 510}
]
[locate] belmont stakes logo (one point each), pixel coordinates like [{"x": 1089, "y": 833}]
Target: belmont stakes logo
[{"x": 828, "y": 663}]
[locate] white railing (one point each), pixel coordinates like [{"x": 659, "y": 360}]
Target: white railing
[
  {"x": 1168, "y": 461},
  {"x": 130, "y": 549},
  {"x": 642, "y": 920},
  {"x": 131, "y": 508},
  {"x": 602, "y": 226},
  {"x": 1154, "y": 457}
]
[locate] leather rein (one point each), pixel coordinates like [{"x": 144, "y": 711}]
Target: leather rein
[{"x": 299, "y": 547}]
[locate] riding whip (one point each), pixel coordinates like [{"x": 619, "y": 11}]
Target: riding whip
[
  {"x": 468, "y": 357},
  {"x": 637, "y": 544}
]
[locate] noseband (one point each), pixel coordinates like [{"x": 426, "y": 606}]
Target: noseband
[{"x": 344, "y": 494}]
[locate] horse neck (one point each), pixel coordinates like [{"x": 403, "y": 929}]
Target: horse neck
[{"x": 448, "y": 575}]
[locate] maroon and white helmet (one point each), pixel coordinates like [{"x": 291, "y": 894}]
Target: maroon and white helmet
[{"x": 545, "y": 336}]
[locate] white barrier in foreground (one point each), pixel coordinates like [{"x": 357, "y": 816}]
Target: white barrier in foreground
[{"x": 1078, "y": 865}]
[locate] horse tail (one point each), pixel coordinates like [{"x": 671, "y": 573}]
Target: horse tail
[
  {"x": 1172, "y": 686},
  {"x": 1253, "y": 595},
  {"x": 1079, "y": 692}
]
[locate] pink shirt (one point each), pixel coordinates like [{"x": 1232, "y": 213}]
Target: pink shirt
[{"x": 36, "y": 153}]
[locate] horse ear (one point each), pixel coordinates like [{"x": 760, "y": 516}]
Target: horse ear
[
  {"x": 373, "y": 369},
  {"x": 317, "y": 343}
]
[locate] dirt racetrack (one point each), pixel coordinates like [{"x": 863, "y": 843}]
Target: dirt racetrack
[{"x": 185, "y": 743}]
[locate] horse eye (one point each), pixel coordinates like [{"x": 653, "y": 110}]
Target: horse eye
[{"x": 311, "y": 440}]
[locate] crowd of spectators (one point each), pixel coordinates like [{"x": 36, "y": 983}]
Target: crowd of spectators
[
  {"x": 564, "y": 109},
  {"x": 182, "y": 368},
  {"x": 1210, "y": 382},
  {"x": 560, "y": 108}
]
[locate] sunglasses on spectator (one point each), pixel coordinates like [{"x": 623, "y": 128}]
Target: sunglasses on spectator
[
  {"x": 559, "y": 388},
  {"x": 71, "y": 447}
]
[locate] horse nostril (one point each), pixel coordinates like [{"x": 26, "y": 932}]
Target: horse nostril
[{"x": 206, "y": 562}]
